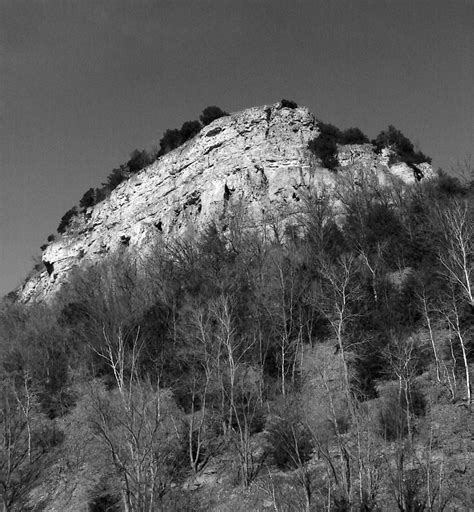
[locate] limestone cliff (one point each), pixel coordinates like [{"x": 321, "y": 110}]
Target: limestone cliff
[{"x": 258, "y": 157}]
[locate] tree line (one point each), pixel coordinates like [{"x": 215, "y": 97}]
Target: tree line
[{"x": 329, "y": 137}]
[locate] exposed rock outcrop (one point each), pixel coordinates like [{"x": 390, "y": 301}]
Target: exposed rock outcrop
[{"x": 258, "y": 157}]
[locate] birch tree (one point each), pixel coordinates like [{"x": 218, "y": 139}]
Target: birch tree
[{"x": 138, "y": 426}]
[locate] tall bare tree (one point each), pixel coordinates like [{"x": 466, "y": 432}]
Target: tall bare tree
[
  {"x": 456, "y": 254},
  {"x": 26, "y": 443},
  {"x": 138, "y": 425}
]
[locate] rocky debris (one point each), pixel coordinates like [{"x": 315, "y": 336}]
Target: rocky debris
[{"x": 258, "y": 157}]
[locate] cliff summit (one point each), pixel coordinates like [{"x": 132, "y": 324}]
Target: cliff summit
[{"x": 258, "y": 157}]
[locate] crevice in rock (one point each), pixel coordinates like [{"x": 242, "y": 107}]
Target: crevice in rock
[
  {"x": 125, "y": 239},
  {"x": 260, "y": 169},
  {"x": 268, "y": 114},
  {"x": 417, "y": 172},
  {"x": 49, "y": 267},
  {"x": 211, "y": 148},
  {"x": 192, "y": 199},
  {"x": 159, "y": 225},
  {"x": 227, "y": 193},
  {"x": 213, "y": 132},
  {"x": 103, "y": 249}
]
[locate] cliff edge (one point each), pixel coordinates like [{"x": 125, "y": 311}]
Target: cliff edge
[{"x": 258, "y": 157}]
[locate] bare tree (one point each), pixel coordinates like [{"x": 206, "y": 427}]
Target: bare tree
[
  {"x": 402, "y": 359},
  {"x": 456, "y": 256},
  {"x": 335, "y": 298},
  {"x": 25, "y": 450},
  {"x": 138, "y": 425},
  {"x": 373, "y": 263},
  {"x": 452, "y": 314},
  {"x": 201, "y": 355},
  {"x": 457, "y": 252},
  {"x": 240, "y": 381},
  {"x": 427, "y": 312},
  {"x": 288, "y": 293}
]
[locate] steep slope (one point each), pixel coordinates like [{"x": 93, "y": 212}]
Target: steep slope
[{"x": 258, "y": 157}]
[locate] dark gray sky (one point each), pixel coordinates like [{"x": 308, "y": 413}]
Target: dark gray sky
[{"x": 83, "y": 83}]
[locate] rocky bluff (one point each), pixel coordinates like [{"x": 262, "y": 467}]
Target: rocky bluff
[{"x": 258, "y": 158}]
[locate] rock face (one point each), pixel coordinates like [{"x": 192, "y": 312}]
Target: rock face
[{"x": 258, "y": 157}]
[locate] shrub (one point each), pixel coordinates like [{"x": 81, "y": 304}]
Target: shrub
[
  {"x": 354, "y": 136},
  {"x": 290, "y": 443},
  {"x": 326, "y": 149},
  {"x": 288, "y": 104},
  {"x": 401, "y": 145},
  {"x": 138, "y": 160},
  {"x": 329, "y": 131},
  {"x": 210, "y": 114},
  {"x": 325, "y": 145},
  {"x": 190, "y": 129},
  {"x": 115, "y": 178},
  {"x": 104, "y": 501},
  {"x": 66, "y": 219},
  {"x": 171, "y": 139},
  {"x": 94, "y": 196},
  {"x": 88, "y": 199},
  {"x": 100, "y": 195},
  {"x": 448, "y": 186},
  {"x": 392, "y": 419}
]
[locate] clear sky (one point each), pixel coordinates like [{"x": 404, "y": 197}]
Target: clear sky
[{"x": 83, "y": 83}]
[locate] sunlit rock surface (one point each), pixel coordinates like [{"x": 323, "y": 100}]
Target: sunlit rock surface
[{"x": 257, "y": 158}]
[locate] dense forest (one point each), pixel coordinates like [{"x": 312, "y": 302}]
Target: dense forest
[{"x": 305, "y": 361}]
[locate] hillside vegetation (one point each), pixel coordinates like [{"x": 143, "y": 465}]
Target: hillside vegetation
[{"x": 297, "y": 364}]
